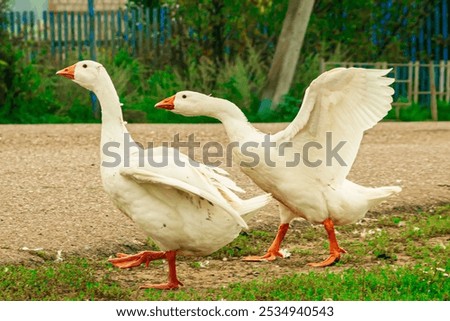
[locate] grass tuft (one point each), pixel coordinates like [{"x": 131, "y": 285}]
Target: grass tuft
[{"x": 407, "y": 261}]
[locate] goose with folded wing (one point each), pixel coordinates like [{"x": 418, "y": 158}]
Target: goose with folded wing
[{"x": 186, "y": 207}]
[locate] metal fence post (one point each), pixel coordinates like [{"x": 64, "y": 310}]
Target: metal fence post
[{"x": 92, "y": 29}]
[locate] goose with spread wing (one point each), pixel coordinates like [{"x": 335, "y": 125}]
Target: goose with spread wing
[
  {"x": 305, "y": 165},
  {"x": 186, "y": 207}
]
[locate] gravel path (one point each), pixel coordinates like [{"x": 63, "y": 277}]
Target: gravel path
[{"x": 51, "y": 196}]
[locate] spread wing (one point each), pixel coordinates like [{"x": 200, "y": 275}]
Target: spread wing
[{"x": 343, "y": 102}]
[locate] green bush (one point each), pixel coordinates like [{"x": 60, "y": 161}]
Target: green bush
[
  {"x": 417, "y": 112},
  {"x": 444, "y": 110},
  {"x": 31, "y": 97},
  {"x": 36, "y": 95}
]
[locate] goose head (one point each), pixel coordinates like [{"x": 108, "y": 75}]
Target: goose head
[
  {"x": 190, "y": 103},
  {"x": 86, "y": 73}
]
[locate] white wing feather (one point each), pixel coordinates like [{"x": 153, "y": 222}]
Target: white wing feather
[
  {"x": 143, "y": 176},
  {"x": 344, "y": 102}
]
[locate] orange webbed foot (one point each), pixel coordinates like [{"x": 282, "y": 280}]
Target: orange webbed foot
[
  {"x": 269, "y": 256},
  {"x": 274, "y": 250},
  {"x": 335, "y": 250},
  {"x": 334, "y": 257},
  {"x": 173, "y": 285},
  {"x": 125, "y": 261}
]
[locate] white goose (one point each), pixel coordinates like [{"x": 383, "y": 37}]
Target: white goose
[
  {"x": 305, "y": 165},
  {"x": 186, "y": 207}
]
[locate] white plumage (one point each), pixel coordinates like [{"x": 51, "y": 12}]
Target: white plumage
[
  {"x": 306, "y": 165},
  {"x": 186, "y": 207}
]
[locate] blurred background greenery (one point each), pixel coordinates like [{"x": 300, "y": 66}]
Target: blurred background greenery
[{"x": 226, "y": 50}]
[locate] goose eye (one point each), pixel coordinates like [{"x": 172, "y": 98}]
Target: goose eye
[
  {"x": 84, "y": 66},
  {"x": 184, "y": 96}
]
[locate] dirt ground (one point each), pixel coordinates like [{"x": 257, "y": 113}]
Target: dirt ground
[{"x": 52, "y": 201}]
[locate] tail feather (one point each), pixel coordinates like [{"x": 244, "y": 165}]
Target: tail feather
[
  {"x": 386, "y": 191},
  {"x": 250, "y": 206},
  {"x": 379, "y": 194}
]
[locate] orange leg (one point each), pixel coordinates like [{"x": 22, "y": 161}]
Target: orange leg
[
  {"x": 274, "y": 250},
  {"x": 124, "y": 261},
  {"x": 335, "y": 250}
]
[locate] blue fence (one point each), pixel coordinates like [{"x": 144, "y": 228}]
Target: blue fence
[
  {"x": 140, "y": 30},
  {"x": 145, "y": 31},
  {"x": 432, "y": 38}
]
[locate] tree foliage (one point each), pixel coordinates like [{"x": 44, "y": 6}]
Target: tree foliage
[
  {"x": 224, "y": 47},
  {"x": 221, "y": 30},
  {"x": 146, "y": 3},
  {"x": 362, "y": 30}
]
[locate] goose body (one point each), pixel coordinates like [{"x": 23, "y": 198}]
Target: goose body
[
  {"x": 186, "y": 207},
  {"x": 168, "y": 206},
  {"x": 305, "y": 165}
]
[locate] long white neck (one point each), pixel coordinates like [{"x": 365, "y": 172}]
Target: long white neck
[
  {"x": 233, "y": 119},
  {"x": 113, "y": 128}
]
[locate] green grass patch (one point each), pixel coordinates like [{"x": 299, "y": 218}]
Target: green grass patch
[
  {"x": 405, "y": 257},
  {"x": 247, "y": 243},
  {"x": 76, "y": 279},
  {"x": 381, "y": 283}
]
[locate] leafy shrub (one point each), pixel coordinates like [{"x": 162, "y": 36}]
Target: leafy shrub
[
  {"x": 241, "y": 81},
  {"x": 36, "y": 95},
  {"x": 31, "y": 98},
  {"x": 417, "y": 112},
  {"x": 444, "y": 110}
]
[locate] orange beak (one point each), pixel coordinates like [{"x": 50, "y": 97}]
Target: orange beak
[
  {"x": 167, "y": 103},
  {"x": 68, "y": 72}
]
